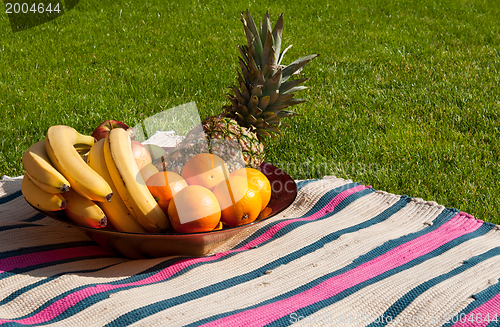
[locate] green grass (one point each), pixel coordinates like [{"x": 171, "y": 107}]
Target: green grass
[{"x": 404, "y": 97}]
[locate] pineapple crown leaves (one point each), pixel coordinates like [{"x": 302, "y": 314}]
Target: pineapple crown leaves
[{"x": 264, "y": 87}]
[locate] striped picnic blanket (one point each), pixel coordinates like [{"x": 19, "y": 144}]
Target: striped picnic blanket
[{"x": 342, "y": 254}]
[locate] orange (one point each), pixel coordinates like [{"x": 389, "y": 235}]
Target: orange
[
  {"x": 219, "y": 226},
  {"x": 206, "y": 170},
  {"x": 148, "y": 170},
  {"x": 258, "y": 179},
  {"x": 194, "y": 209},
  {"x": 264, "y": 213},
  {"x": 164, "y": 185},
  {"x": 240, "y": 202}
]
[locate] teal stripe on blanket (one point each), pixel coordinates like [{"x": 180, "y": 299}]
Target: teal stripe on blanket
[
  {"x": 321, "y": 203},
  {"x": 301, "y": 184}
]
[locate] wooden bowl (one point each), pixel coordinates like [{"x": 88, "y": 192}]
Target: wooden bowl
[{"x": 151, "y": 245}]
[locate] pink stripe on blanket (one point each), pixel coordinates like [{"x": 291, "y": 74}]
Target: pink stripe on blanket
[
  {"x": 320, "y": 213},
  {"x": 36, "y": 258},
  {"x": 482, "y": 315},
  {"x": 459, "y": 225}
]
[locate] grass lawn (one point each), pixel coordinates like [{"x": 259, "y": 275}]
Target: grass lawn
[{"x": 404, "y": 97}]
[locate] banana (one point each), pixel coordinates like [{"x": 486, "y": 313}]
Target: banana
[
  {"x": 59, "y": 145},
  {"x": 130, "y": 184},
  {"x": 40, "y": 199},
  {"x": 83, "y": 150},
  {"x": 116, "y": 210},
  {"x": 83, "y": 211},
  {"x": 38, "y": 167}
]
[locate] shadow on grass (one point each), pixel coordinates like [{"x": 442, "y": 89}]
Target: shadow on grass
[{"x": 25, "y": 14}]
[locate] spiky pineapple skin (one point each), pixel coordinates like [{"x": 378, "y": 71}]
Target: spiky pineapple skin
[
  {"x": 242, "y": 142},
  {"x": 237, "y": 146}
]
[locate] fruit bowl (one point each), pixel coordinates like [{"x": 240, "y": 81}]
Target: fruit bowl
[{"x": 139, "y": 246}]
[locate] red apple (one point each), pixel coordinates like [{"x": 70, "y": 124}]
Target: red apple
[
  {"x": 103, "y": 129},
  {"x": 141, "y": 154}
]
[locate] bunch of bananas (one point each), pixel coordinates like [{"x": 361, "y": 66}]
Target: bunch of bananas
[{"x": 93, "y": 182}]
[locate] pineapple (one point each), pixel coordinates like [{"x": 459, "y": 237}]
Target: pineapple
[{"x": 263, "y": 92}]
